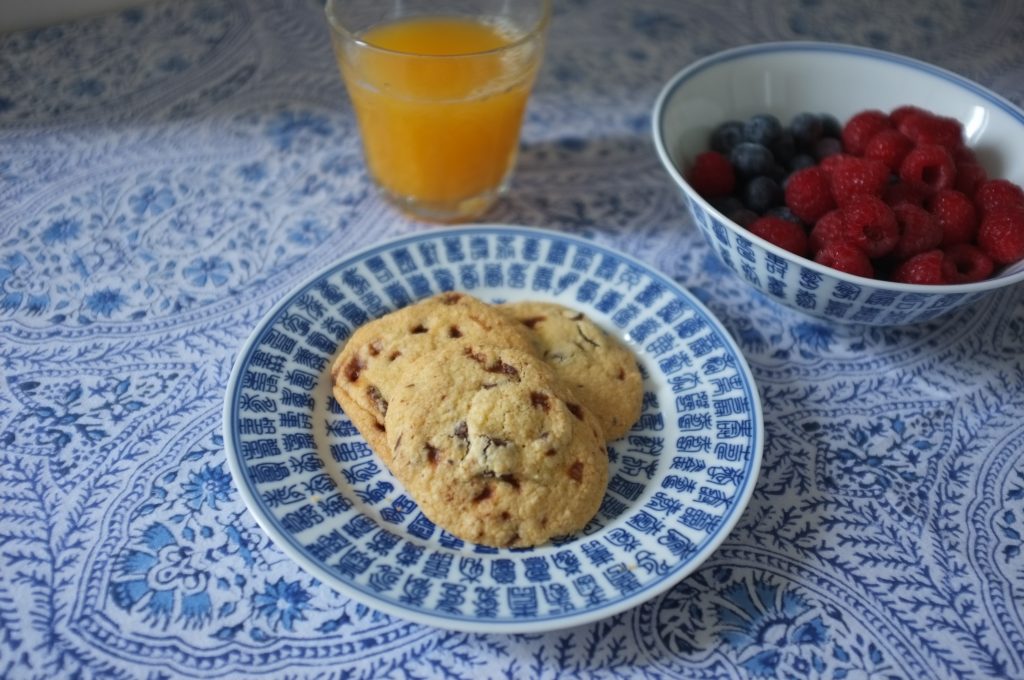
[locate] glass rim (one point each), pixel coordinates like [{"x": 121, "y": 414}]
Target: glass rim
[{"x": 536, "y": 29}]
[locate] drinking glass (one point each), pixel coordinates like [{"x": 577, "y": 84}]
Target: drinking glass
[{"x": 439, "y": 89}]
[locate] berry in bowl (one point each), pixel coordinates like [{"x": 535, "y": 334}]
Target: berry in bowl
[{"x": 848, "y": 183}]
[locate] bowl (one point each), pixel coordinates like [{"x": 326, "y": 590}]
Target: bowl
[{"x": 788, "y": 78}]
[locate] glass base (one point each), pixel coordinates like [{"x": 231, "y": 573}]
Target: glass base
[{"x": 464, "y": 210}]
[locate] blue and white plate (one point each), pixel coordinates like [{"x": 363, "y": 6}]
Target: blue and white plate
[{"x": 678, "y": 481}]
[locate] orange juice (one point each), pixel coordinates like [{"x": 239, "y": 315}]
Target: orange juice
[{"x": 440, "y": 103}]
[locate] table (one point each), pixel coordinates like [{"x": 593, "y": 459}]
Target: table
[{"x": 168, "y": 172}]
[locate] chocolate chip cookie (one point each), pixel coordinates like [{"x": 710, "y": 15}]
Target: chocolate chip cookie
[
  {"x": 378, "y": 355},
  {"x": 494, "y": 447},
  {"x": 600, "y": 370}
]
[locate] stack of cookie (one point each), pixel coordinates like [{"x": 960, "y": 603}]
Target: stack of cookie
[{"x": 494, "y": 418}]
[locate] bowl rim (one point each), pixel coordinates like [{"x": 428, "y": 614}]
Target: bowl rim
[{"x": 746, "y": 51}]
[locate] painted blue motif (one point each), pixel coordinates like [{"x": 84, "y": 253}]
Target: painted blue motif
[{"x": 170, "y": 172}]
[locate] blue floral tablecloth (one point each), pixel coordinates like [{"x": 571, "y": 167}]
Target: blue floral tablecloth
[{"x": 168, "y": 172}]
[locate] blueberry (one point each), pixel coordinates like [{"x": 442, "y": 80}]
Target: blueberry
[
  {"x": 830, "y": 126},
  {"x": 743, "y": 217},
  {"x": 801, "y": 161},
  {"x": 751, "y": 159},
  {"x": 806, "y": 129},
  {"x": 764, "y": 129},
  {"x": 726, "y": 136},
  {"x": 727, "y": 204},
  {"x": 785, "y": 213},
  {"x": 762, "y": 193},
  {"x": 784, "y": 148},
  {"x": 827, "y": 146}
]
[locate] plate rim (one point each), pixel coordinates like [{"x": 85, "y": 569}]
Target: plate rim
[{"x": 470, "y": 624}]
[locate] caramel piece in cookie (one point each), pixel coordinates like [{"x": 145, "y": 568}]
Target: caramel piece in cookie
[
  {"x": 378, "y": 355},
  {"x": 600, "y": 370},
  {"x": 494, "y": 448}
]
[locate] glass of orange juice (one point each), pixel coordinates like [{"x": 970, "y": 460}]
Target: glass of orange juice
[{"x": 439, "y": 88}]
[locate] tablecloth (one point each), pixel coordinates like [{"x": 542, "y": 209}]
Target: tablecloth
[{"x": 169, "y": 171}]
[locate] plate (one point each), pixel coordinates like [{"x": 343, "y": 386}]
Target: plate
[{"x": 678, "y": 481}]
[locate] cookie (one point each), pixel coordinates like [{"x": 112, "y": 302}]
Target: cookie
[
  {"x": 601, "y": 371},
  {"x": 378, "y": 354},
  {"x": 364, "y": 421},
  {"x": 494, "y": 448}
]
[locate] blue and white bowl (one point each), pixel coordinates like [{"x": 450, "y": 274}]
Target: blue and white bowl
[{"x": 787, "y": 78}]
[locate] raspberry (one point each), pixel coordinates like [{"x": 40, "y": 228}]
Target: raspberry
[
  {"x": 808, "y": 194},
  {"x": 897, "y": 115},
  {"x": 889, "y": 147},
  {"x": 970, "y": 176},
  {"x": 859, "y": 130},
  {"x": 712, "y": 175},
  {"x": 955, "y": 215},
  {"x": 918, "y": 231},
  {"x": 783, "y": 233},
  {"x": 996, "y": 194},
  {"x": 901, "y": 192},
  {"x": 963, "y": 154},
  {"x": 845, "y": 257},
  {"x": 1001, "y": 235},
  {"x": 871, "y": 226},
  {"x": 972, "y": 264},
  {"x": 828, "y": 164},
  {"x": 926, "y": 128},
  {"x": 831, "y": 228},
  {"x": 929, "y": 167},
  {"x": 854, "y": 177},
  {"x": 930, "y": 267}
]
